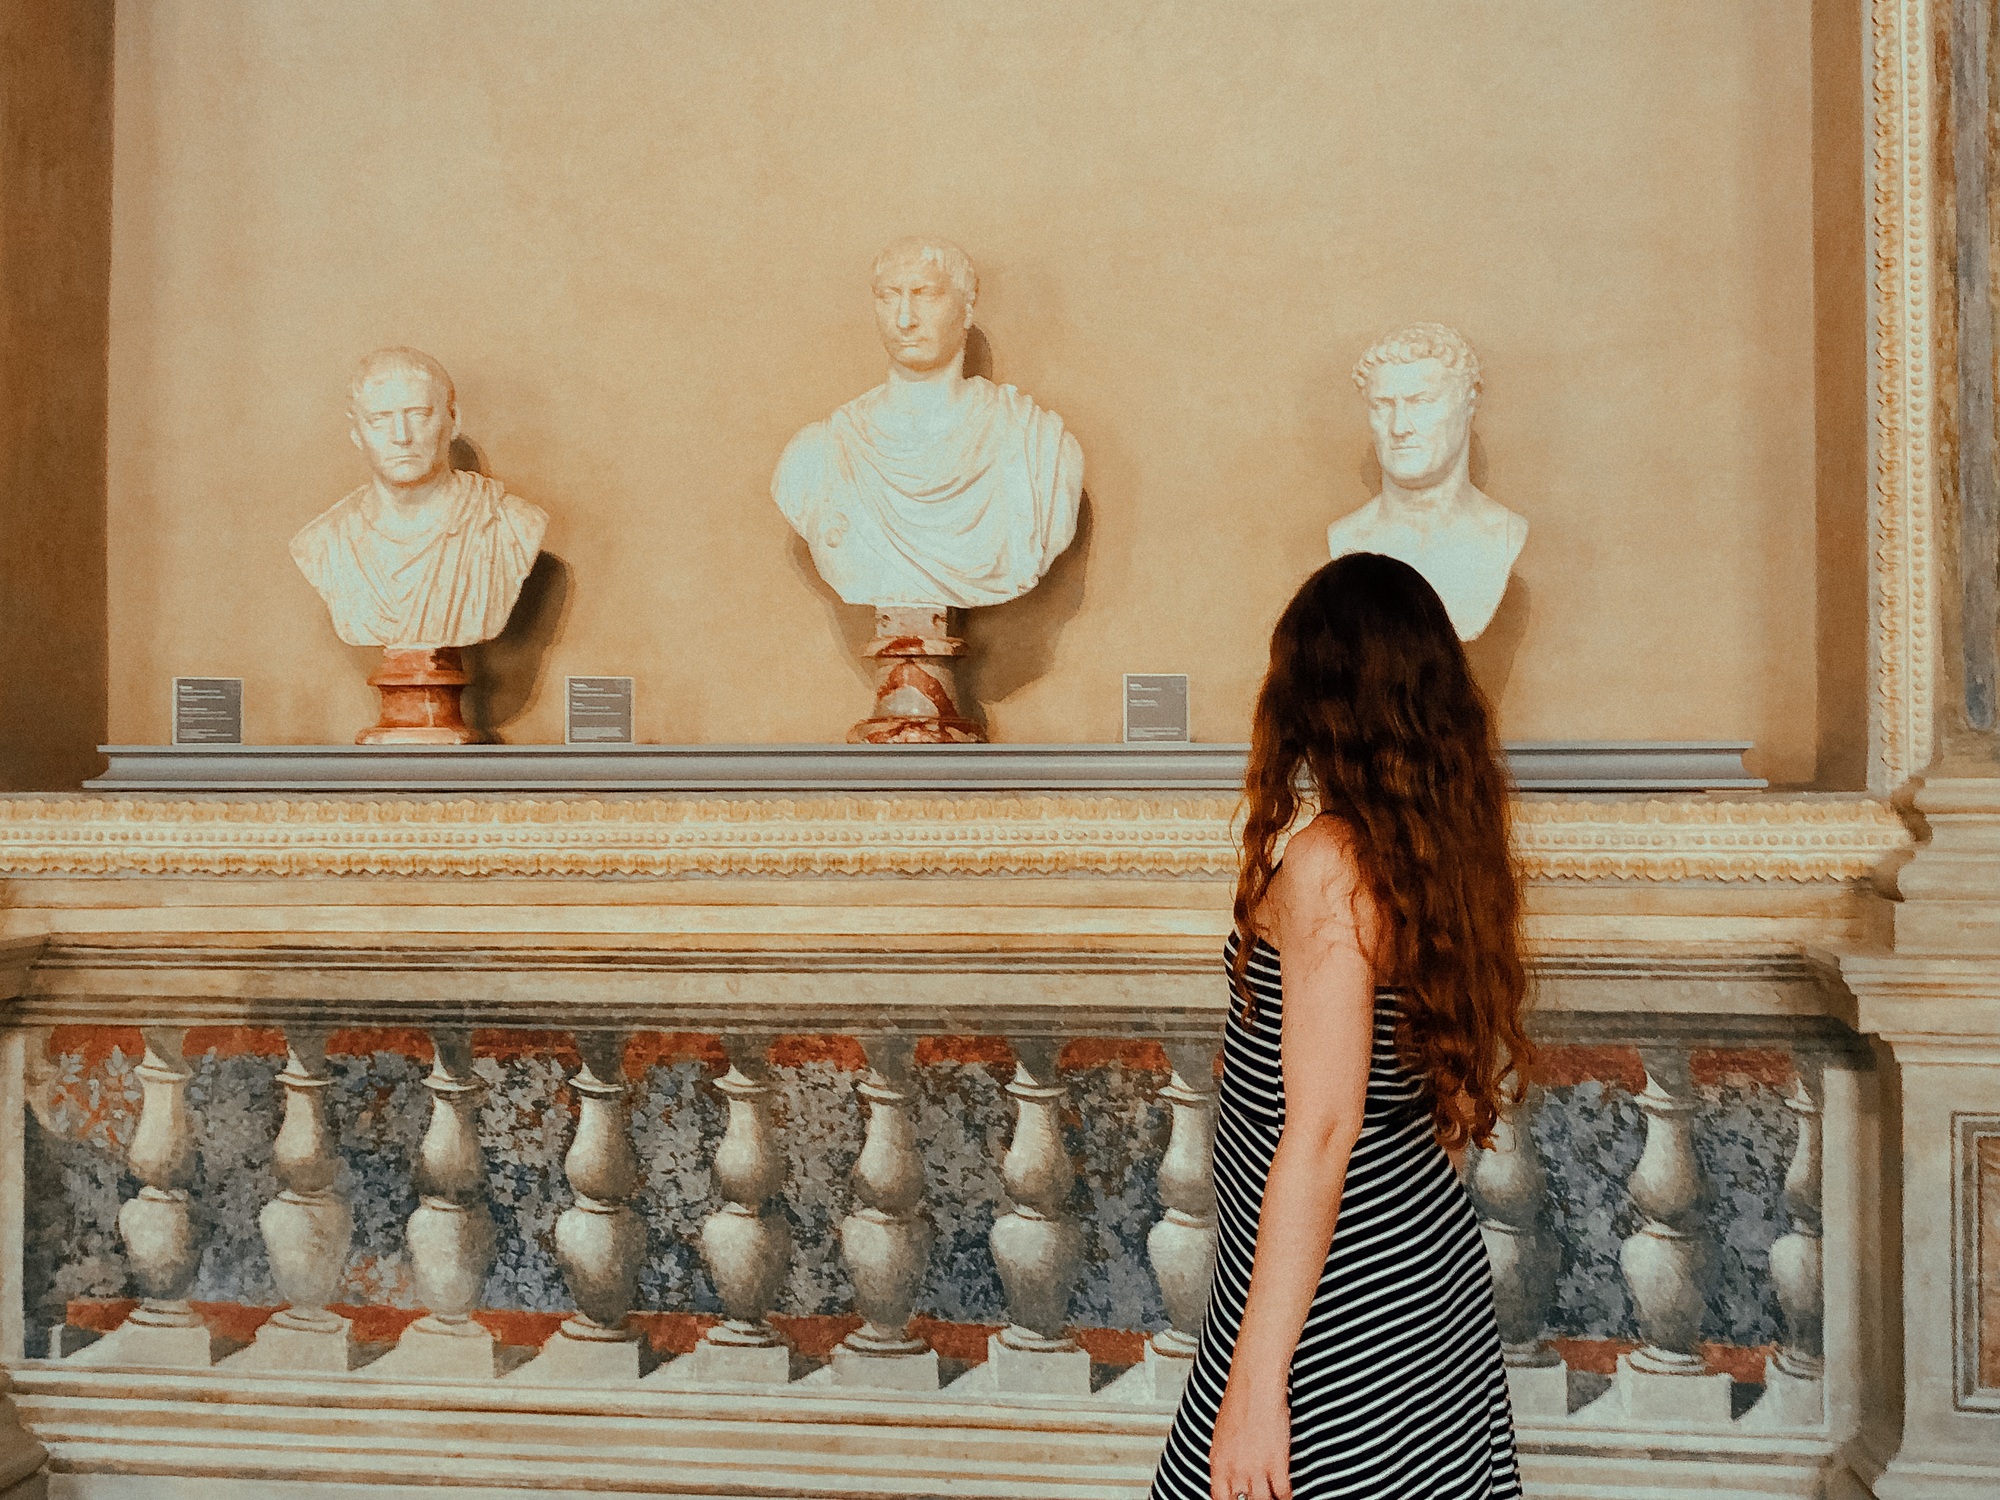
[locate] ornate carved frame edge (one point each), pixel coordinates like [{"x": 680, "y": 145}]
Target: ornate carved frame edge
[
  {"x": 1902, "y": 430},
  {"x": 1801, "y": 839}
]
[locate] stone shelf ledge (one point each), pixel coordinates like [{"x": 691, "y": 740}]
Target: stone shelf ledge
[{"x": 1552, "y": 766}]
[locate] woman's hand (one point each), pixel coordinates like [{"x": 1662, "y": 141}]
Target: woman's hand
[{"x": 1250, "y": 1454}]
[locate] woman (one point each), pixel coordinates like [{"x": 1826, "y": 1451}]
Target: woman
[{"x": 1350, "y": 1347}]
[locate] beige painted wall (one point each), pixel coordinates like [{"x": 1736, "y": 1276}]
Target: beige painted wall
[{"x": 639, "y": 236}]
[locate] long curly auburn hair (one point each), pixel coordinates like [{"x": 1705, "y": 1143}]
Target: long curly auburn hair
[{"x": 1369, "y": 714}]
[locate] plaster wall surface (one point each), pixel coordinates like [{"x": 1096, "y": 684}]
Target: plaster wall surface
[{"x": 639, "y": 236}]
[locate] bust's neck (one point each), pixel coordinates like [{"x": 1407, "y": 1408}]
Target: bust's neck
[
  {"x": 1427, "y": 509},
  {"x": 927, "y": 393},
  {"x": 407, "y": 511}
]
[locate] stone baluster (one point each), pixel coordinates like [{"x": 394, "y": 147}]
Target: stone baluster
[
  {"x": 600, "y": 1240},
  {"x": 308, "y": 1227},
  {"x": 1667, "y": 1379},
  {"x": 887, "y": 1239},
  {"x": 451, "y": 1235},
  {"x": 157, "y": 1224},
  {"x": 1510, "y": 1190},
  {"x": 746, "y": 1247},
  {"x": 1038, "y": 1247},
  {"x": 1182, "y": 1245},
  {"x": 1794, "y": 1377}
]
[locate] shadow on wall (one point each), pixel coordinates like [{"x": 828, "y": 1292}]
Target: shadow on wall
[
  {"x": 507, "y": 670},
  {"x": 1009, "y": 645},
  {"x": 1492, "y": 655}
]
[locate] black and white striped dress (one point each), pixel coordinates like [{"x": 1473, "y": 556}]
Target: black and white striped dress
[{"x": 1397, "y": 1386}]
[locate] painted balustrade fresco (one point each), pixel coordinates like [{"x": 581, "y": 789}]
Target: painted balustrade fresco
[{"x": 1584, "y": 1119}]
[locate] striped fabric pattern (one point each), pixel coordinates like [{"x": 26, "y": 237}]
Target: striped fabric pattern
[{"x": 1397, "y": 1386}]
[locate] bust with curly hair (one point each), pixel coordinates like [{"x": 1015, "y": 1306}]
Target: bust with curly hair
[{"x": 1421, "y": 385}]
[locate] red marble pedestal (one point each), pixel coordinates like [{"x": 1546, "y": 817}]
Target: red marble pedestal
[
  {"x": 420, "y": 687},
  {"x": 916, "y": 684}
]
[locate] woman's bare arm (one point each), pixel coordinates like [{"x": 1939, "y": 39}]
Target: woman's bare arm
[{"x": 1323, "y": 926}]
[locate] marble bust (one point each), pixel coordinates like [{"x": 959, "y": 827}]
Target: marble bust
[
  {"x": 935, "y": 489},
  {"x": 423, "y": 555},
  {"x": 1421, "y": 385}
]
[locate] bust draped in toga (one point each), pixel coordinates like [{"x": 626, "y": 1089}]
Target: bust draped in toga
[
  {"x": 934, "y": 489},
  {"x": 422, "y": 555}
]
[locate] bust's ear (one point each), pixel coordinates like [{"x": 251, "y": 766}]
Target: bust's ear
[
  {"x": 454, "y": 420},
  {"x": 354, "y": 433}
]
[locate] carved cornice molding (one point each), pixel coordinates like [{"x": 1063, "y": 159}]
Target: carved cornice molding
[
  {"x": 1902, "y": 432},
  {"x": 1693, "y": 838},
  {"x": 1797, "y": 839}
]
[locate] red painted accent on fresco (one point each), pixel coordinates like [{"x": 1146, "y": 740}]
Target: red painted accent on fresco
[
  {"x": 98, "y": 1314},
  {"x": 1112, "y": 1346},
  {"x": 1558, "y": 1067},
  {"x": 672, "y": 1333},
  {"x": 92, "y": 1045},
  {"x": 365, "y": 1041},
  {"x": 993, "y": 1051},
  {"x": 528, "y": 1329},
  {"x": 377, "y": 1325},
  {"x": 1738, "y": 1067},
  {"x": 844, "y": 1052},
  {"x": 234, "y": 1041},
  {"x": 1737, "y": 1362},
  {"x": 507, "y": 1043},
  {"x": 813, "y": 1336},
  {"x": 1113, "y": 1052},
  {"x": 232, "y": 1320},
  {"x": 653, "y": 1049},
  {"x": 1600, "y": 1357},
  {"x": 1592, "y": 1356},
  {"x": 965, "y": 1342}
]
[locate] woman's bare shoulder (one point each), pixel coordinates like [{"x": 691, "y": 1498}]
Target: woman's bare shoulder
[
  {"x": 1318, "y": 880},
  {"x": 1319, "y": 854}
]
